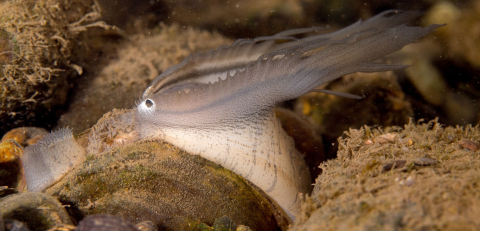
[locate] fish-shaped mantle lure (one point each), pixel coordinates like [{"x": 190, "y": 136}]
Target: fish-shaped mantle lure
[{"x": 219, "y": 104}]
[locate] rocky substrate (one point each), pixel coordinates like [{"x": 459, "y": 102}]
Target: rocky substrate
[{"x": 420, "y": 177}]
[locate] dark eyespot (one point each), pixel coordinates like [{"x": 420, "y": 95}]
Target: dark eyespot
[{"x": 149, "y": 103}]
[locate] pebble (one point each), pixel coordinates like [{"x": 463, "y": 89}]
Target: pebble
[
  {"x": 407, "y": 182},
  {"x": 394, "y": 165},
  {"x": 470, "y": 145},
  {"x": 14, "y": 225},
  {"x": 424, "y": 161},
  {"x": 389, "y": 136},
  {"x": 381, "y": 140},
  {"x": 11, "y": 166},
  {"x": 410, "y": 142},
  {"x": 104, "y": 222}
]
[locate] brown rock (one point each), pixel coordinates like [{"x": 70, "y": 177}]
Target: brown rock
[
  {"x": 470, "y": 145},
  {"x": 11, "y": 167},
  {"x": 351, "y": 194}
]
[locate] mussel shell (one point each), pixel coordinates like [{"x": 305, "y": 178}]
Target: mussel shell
[{"x": 173, "y": 189}]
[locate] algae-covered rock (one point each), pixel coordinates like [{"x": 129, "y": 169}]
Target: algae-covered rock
[
  {"x": 40, "y": 50},
  {"x": 419, "y": 177},
  {"x": 38, "y": 211},
  {"x": 157, "y": 182}
]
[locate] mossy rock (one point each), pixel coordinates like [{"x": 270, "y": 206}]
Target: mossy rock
[
  {"x": 420, "y": 177},
  {"x": 158, "y": 182},
  {"x": 41, "y": 51}
]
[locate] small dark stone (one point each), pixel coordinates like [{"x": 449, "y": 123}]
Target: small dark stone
[
  {"x": 396, "y": 164},
  {"x": 450, "y": 137},
  {"x": 424, "y": 161},
  {"x": 104, "y": 222},
  {"x": 14, "y": 225}
]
